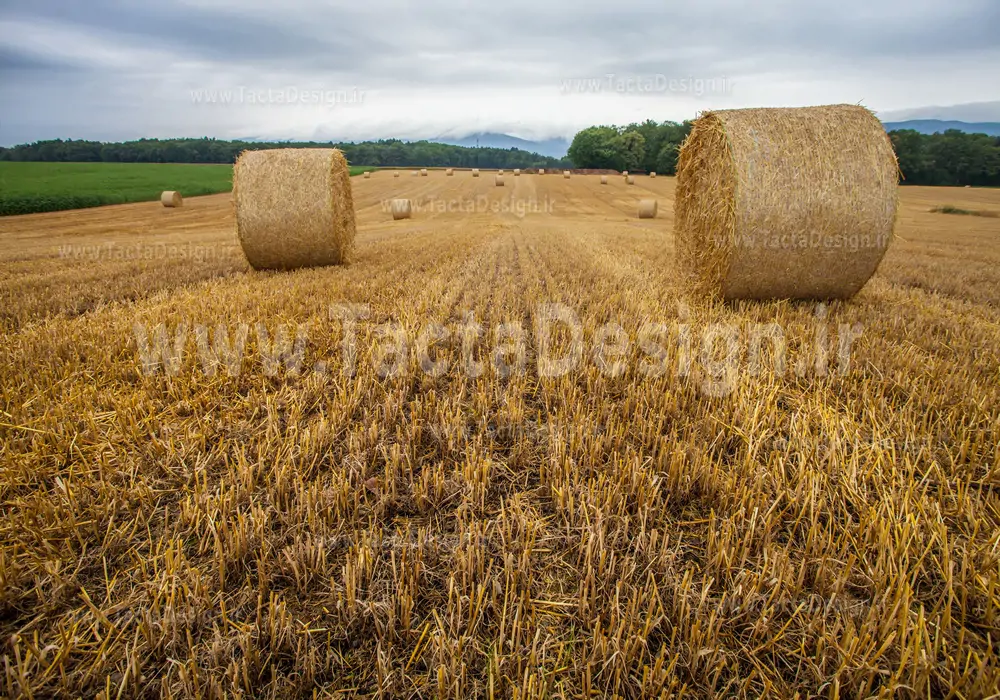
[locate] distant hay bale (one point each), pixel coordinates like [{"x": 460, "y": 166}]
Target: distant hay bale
[
  {"x": 624, "y": 173},
  {"x": 367, "y": 175},
  {"x": 401, "y": 209},
  {"x": 790, "y": 203},
  {"x": 604, "y": 179},
  {"x": 449, "y": 172},
  {"x": 652, "y": 174},
  {"x": 498, "y": 180},
  {"x": 423, "y": 172},
  {"x": 517, "y": 172},
  {"x": 647, "y": 208},
  {"x": 499, "y": 172},
  {"x": 475, "y": 172},
  {"x": 566, "y": 174},
  {"x": 396, "y": 174},
  {"x": 541, "y": 171},
  {"x": 630, "y": 180},
  {"x": 171, "y": 199},
  {"x": 294, "y": 207},
  {"x": 416, "y": 173}
]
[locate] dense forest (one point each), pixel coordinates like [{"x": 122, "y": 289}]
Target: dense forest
[
  {"x": 949, "y": 158},
  {"x": 389, "y": 153}
]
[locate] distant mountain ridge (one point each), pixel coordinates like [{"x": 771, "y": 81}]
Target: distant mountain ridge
[
  {"x": 933, "y": 126},
  {"x": 554, "y": 148}
]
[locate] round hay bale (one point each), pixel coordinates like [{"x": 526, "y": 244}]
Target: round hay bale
[
  {"x": 517, "y": 172},
  {"x": 784, "y": 203},
  {"x": 171, "y": 199},
  {"x": 416, "y": 173},
  {"x": 566, "y": 174},
  {"x": 624, "y": 173},
  {"x": 368, "y": 175},
  {"x": 475, "y": 172},
  {"x": 294, "y": 207},
  {"x": 396, "y": 174},
  {"x": 630, "y": 180},
  {"x": 423, "y": 172},
  {"x": 401, "y": 209},
  {"x": 647, "y": 208},
  {"x": 498, "y": 180},
  {"x": 604, "y": 179},
  {"x": 449, "y": 172},
  {"x": 499, "y": 172},
  {"x": 652, "y": 174},
  {"x": 541, "y": 171}
]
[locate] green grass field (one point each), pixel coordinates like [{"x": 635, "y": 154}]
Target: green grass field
[{"x": 26, "y": 188}]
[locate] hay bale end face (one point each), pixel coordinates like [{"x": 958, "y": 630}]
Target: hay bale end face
[
  {"x": 294, "y": 207},
  {"x": 566, "y": 174},
  {"x": 423, "y": 172},
  {"x": 653, "y": 174},
  {"x": 647, "y": 208},
  {"x": 541, "y": 171},
  {"x": 401, "y": 209},
  {"x": 171, "y": 199},
  {"x": 498, "y": 180},
  {"x": 784, "y": 203},
  {"x": 475, "y": 172},
  {"x": 368, "y": 175},
  {"x": 630, "y": 180},
  {"x": 604, "y": 179}
]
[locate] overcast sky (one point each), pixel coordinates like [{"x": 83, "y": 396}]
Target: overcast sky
[{"x": 357, "y": 69}]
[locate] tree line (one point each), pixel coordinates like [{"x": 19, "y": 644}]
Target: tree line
[
  {"x": 949, "y": 158},
  {"x": 385, "y": 153}
]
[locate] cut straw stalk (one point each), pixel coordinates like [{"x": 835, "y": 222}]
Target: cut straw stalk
[
  {"x": 294, "y": 207},
  {"x": 784, "y": 203}
]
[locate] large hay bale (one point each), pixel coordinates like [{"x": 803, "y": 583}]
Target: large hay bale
[
  {"x": 423, "y": 172},
  {"x": 401, "y": 209},
  {"x": 396, "y": 174},
  {"x": 499, "y": 172},
  {"x": 517, "y": 172},
  {"x": 566, "y": 174},
  {"x": 294, "y": 207},
  {"x": 604, "y": 179},
  {"x": 647, "y": 208},
  {"x": 171, "y": 198},
  {"x": 785, "y": 202},
  {"x": 449, "y": 172},
  {"x": 541, "y": 171},
  {"x": 475, "y": 172},
  {"x": 624, "y": 173},
  {"x": 652, "y": 174},
  {"x": 498, "y": 180},
  {"x": 630, "y": 180},
  {"x": 368, "y": 175}
]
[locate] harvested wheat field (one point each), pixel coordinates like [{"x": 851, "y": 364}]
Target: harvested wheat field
[{"x": 204, "y": 495}]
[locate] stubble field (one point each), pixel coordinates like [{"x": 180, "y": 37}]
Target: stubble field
[{"x": 650, "y": 523}]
